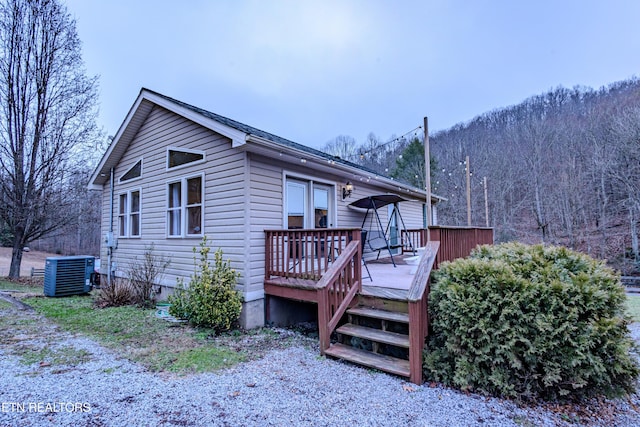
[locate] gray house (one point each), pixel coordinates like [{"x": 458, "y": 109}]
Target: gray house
[{"x": 175, "y": 172}]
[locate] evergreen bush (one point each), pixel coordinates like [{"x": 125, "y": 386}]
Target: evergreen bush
[
  {"x": 530, "y": 322},
  {"x": 211, "y": 299}
]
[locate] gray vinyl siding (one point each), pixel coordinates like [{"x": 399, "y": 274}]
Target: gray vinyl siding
[
  {"x": 223, "y": 203},
  {"x": 266, "y": 213}
]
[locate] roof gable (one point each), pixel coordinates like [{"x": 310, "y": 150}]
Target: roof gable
[{"x": 137, "y": 116}]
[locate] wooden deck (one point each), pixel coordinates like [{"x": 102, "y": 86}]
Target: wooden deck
[{"x": 380, "y": 322}]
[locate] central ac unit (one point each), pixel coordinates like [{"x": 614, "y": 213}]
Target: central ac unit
[{"x": 69, "y": 275}]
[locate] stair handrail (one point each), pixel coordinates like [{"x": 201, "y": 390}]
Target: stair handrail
[
  {"x": 420, "y": 279},
  {"x": 419, "y": 310},
  {"x": 327, "y": 322}
]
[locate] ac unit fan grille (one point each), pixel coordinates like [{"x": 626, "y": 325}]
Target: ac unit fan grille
[{"x": 67, "y": 276}]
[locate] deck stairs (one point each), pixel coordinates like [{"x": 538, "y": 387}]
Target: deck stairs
[{"x": 375, "y": 335}]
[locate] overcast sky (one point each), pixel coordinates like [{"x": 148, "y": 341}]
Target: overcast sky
[{"x": 312, "y": 70}]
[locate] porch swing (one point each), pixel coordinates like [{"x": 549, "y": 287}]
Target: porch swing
[{"x": 378, "y": 237}]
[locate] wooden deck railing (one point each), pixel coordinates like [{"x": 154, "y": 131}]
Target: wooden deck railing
[
  {"x": 455, "y": 242},
  {"x": 337, "y": 288},
  {"x": 305, "y": 253},
  {"x": 418, "y": 310},
  {"x": 416, "y": 238}
]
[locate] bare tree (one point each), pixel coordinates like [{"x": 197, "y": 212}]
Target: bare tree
[
  {"x": 342, "y": 146},
  {"x": 47, "y": 109}
]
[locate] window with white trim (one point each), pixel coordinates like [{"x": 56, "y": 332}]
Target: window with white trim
[
  {"x": 309, "y": 204},
  {"x": 134, "y": 172},
  {"x": 184, "y": 207},
  {"x": 129, "y": 214},
  {"x": 182, "y": 157}
]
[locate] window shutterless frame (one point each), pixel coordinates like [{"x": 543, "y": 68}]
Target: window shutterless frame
[
  {"x": 185, "y": 207},
  {"x": 133, "y": 173},
  {"x": 182, "y": 157},
  {"x": 308, "y": 202},
  {"x": 129, "y": 213}
]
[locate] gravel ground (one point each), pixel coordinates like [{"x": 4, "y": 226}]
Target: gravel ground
[{"x": 294, "y": 386}]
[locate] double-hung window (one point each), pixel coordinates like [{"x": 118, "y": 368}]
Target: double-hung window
[
  {"x": 129, "y": 214},
  {"x": 184, "y": 207}
]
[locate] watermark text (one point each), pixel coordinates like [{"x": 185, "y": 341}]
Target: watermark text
[{"x": 43, "y": 407}]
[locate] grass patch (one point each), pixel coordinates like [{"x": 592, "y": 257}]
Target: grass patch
[
  {"x": 34, "y": 343},
  {"x": 23, "y": 285},
  {"x": 633, "y": 307},
  {"x": 59, "y": 356},
  {"x": 203, "y": 359},
  {"x": 17, "y": 326},
  {"x": 138, "y": 335}
]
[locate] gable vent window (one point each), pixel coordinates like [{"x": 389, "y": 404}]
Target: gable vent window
[
  {"x": 184, "y": 207},
  {"x": 178, "y": 158},
  {"x": 134, "y": 172}
]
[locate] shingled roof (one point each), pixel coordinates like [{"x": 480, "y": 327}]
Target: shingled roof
[
  {"x": 239, "y": 132},
  {"x": 266, "y": 135}
]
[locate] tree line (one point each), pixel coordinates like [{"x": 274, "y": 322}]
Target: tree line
[
  {"x": 48, "y": 108},
  {"x": 562, "y": 167}
]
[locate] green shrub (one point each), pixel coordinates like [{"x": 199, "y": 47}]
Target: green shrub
[
  {"x": 211, "y": 299},
  {"x": 530, "y": 322}
]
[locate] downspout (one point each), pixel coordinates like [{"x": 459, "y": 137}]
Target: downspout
[{"x": 109, "y": 239}]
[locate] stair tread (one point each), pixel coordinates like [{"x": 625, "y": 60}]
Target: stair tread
[
  {"x": 381, "y": 362},
  {"x": 380, "y": 314},
  {"x": 377, "y": 335}
]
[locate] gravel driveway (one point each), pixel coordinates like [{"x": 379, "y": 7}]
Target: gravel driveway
[{"x": 291, "y": 387}]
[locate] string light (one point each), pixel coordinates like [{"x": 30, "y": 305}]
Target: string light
[{"x": 362, "y": 154}]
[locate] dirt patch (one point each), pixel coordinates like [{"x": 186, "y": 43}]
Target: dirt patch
[{"x": 30, "y": 259}]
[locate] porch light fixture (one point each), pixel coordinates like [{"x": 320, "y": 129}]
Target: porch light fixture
[{"x": 346, "y": 190}]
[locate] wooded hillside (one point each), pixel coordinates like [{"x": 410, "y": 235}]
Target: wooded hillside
[{"x": 562, "y": 167}]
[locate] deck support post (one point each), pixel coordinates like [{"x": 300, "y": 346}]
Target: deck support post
[
  {"x": 418, "y": 328},
  {"x": 323, "y": 321}
]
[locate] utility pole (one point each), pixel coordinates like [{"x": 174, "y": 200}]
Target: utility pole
[
  {"x": 486, "y": 202},
  {"x": 427, "y": 167},
  {"x": 468, "y": 192}
]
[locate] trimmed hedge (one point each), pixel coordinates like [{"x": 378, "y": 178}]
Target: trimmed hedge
[{"x": 530, "y": 322}]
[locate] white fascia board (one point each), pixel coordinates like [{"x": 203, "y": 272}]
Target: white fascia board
[{"x": 105, "y": 157}]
